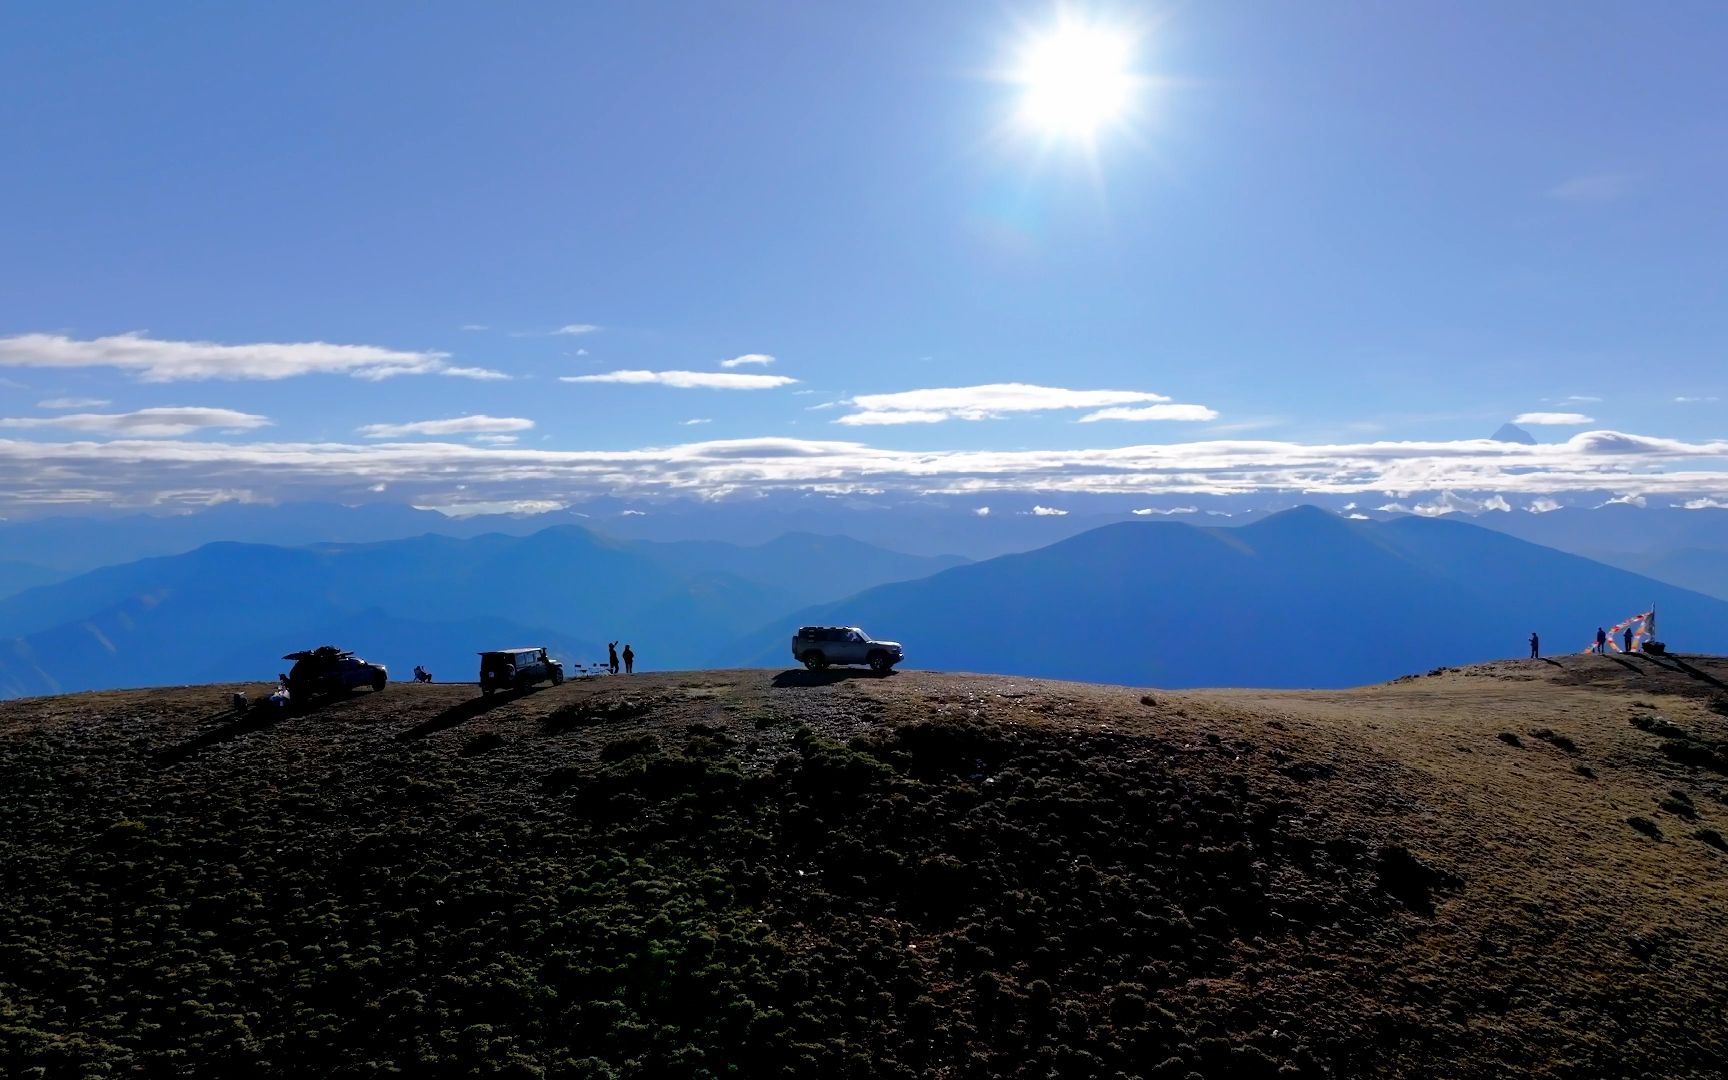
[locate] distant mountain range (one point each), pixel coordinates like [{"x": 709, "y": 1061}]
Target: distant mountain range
[
  {"x": 1301, "y": 599},
  {"x": 229, "y": 610}
]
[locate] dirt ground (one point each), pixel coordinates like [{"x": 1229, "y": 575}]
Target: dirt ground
[{"x": 1564, "y": 820}]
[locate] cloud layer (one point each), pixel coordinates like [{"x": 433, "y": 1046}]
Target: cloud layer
[
  {"x": 155, "y": 360},
  {"x": 757, "y": 358},
  {"x": 138, "y": 471},
  {"x": 687, "y": 380},
  {"x": 166, "y": 422},
  {"x": 994, "y": 400},
  {"x": 1561, "y": 419},
  {"x": 458, "y": 425}
]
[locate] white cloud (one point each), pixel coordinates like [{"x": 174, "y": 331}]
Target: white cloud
[
  {"x": 474, "y": 326},
  {"x": 1048, "y": 511},
  {"x": 495, "y": 440},
  {"x": 1579, "y": 399},
  {"x": 896, "y": 416},
  {"x": 73, "y": 403},
  {"x": 458, "y": 425},
  {"x": 1593, "y": 187},
  {"x": 1705, "y": 504},
  {"x": 982, "y": 511},
  {"x": 696, "y": 420},
  {"x": 508, "y": 506},
  {"x": 1544, "y": 505},
  {"x": 1627, "y": 500},
  {"x": 987, "y": 402},
  {"x": 762, "y": 359},
  {"x": 1153, "y": 412},
  {"x": 1357, "y": 517},
  {"x": 146, "y": 424},
  {"x": 159, "y": 423},
  {"x": 1686, "y": 399},
  {"x": 134, "y": 472},
  {"x": 575, "y": 329},
  {"x": 156, "y": 360},
  {"x": 686, "y": 380},
  {"x": 473, "y": 373},
  {"x": 1560, "y": 418},
  {"x": 1148, "y": 511}
]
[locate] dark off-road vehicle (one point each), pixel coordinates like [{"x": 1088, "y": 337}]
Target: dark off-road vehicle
[
  {"x": 329, "y": 670},
  {"x": 515, "y": 669}
]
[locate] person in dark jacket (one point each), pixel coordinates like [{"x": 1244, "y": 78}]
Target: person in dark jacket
[
  {"x": 629, "y": 661},
  {"x": 612, "y": 656},
  {"x": 1601, "y": 640},
  {"x": 1627, "y": 638},
  {"x": 1535, "y": 645}
]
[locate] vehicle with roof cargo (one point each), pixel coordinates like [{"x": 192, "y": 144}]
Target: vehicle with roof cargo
[
  {"x": 329, "y": 670},
  {"x": 517, "y": 669},
  {"x": 819, "y": 646}
]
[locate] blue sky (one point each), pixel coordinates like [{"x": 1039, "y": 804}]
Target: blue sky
[{"x": 1327, "y": 224}]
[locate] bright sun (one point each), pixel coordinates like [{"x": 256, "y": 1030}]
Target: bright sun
[{"x": 1076, "y": 79}]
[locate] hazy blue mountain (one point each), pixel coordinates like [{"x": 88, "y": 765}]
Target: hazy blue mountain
[
  {"x": 1616, "y": 528},
  {"x": 1694, "y": 568},
  {"x": 1513, "y": 433},
  {"x": 1303, "y": 598},
  {"x": 15, "y": 577},
  {"x": 182, "y": 618}
]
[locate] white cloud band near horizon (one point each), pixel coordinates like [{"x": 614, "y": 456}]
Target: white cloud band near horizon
[
  {"x": 456, "y": 425},
  {"x": 686, "y": 380},
  {"x": 159, "y": 360},
  {"x": 1559, "y": 419},
  {"x": 992, "y": 401},
  {"x": 163, "y": 422},
  {"x": 136, "y": 471}
]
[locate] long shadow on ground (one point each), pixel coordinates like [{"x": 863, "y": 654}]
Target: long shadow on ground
[
  {"x": 460, "y": 713},
  {"x": 257, "y": 719},
  {"x": 824, "y": 677}
]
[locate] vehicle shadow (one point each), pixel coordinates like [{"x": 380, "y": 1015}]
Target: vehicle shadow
[
  {"x": 822, "y": 676},
  {"x": 459, "y": 713}
]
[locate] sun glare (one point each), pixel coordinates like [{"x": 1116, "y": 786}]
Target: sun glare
[{"x": 1076, "y": 80}]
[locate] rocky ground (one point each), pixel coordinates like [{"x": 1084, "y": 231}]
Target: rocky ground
[{"x": 1513, "y": 869}]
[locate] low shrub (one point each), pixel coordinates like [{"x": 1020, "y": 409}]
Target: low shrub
[{"x": 1645, "y": 826}]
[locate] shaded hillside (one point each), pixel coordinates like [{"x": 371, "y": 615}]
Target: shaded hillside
[
  {"x": 1303, "y": 598},
  {"x": 1501, "y": 871},
  {"x": 15, "y": 577},
  {"x": 199, "y": 616}
]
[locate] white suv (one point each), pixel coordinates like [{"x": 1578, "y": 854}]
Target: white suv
[{"x": 818, "y": 646}]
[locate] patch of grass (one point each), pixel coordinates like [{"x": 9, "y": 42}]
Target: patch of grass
[
  {"x": 1509, "y": 739},
  {"x": 1711, "y": 837}
]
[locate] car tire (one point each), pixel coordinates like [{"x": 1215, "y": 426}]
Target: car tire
[
  {"x": 557, "y": 678},
  {"x": 485, "y": 691},
  {"x": 881, "y": 663},
  {"x": 814, "y": 660},
  {"x": 379, "y": 682}
]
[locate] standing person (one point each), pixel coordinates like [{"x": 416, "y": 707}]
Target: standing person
[
  {"x": 1535, "y": 645},
  {"x": 1627, "y": 638},
  {"x": 612, "y": 656},
  {"x": 1601, "y": 640},
  {"x": 629, "y": 661}
]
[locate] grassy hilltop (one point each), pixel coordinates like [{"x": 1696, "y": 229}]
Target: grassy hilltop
[{"x": 1515, "y": 868}]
